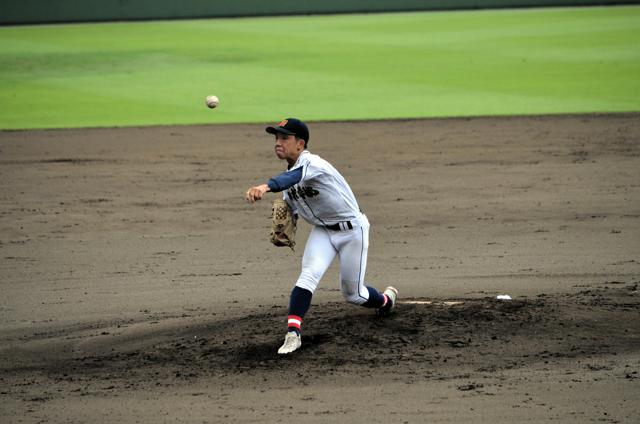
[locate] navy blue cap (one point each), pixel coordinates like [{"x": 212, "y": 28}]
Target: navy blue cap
[{"x": 291, "y": 126}]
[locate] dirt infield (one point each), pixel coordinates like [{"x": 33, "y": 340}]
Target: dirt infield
[{"x": 138, "y": 286}]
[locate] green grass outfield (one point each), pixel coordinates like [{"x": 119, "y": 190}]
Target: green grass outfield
[{"x": 339, "y": 67}]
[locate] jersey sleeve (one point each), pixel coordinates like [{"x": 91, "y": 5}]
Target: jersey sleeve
[
  {"x": 313, "y": 170},
  {"x": 285, "y": 180}
]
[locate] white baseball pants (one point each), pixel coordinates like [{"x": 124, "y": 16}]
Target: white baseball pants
[{"x": 350, "y": 246}]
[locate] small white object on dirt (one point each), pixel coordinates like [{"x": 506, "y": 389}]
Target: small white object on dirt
[
  {"x": 431, "y": 302},
  {"x": 503, "y": 297}
]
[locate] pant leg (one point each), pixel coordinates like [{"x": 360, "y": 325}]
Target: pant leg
[
  {"x": 353, "y": 246},
  {"x": 319, "y": 252}
]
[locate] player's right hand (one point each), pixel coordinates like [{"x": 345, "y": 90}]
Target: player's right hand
[{"x": 255, "y": 193}]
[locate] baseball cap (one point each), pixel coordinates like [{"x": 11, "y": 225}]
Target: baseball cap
[{"x": 291, "y": 126}]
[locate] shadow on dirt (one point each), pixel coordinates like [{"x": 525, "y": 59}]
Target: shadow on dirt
[{"x": 474, "y": 334}]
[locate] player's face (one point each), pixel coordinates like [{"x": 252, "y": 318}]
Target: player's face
[{"x": 287, "y": 147}]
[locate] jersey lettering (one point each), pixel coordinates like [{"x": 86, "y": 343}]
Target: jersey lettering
[{"x": 298, "y": 192}]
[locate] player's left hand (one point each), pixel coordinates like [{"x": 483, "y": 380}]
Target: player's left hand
[{"x": 255, "y": 193}]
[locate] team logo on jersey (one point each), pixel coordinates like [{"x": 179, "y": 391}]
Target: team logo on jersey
[{"x": 298, "y": 192}]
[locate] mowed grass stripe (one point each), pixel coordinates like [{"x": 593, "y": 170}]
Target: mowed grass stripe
[{"x": 405, "y": 65}]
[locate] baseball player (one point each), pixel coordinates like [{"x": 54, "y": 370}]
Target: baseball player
[{"x": 317, "y": 192}]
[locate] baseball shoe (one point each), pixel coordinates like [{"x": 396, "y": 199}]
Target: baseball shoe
[
  {"x": 292, "y": 342},
  {"x": 392, "y": 295}
]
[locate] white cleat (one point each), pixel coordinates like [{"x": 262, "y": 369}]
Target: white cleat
[
  {"x": 292, "y": 342},
  {"x": 392, "y": 295}
]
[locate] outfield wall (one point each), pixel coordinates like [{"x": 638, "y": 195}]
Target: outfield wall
[{"x": 43, "y": 11}]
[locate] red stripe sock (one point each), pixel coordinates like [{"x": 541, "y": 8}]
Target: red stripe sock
[
  {"x": 386, "y": 300},
  {"x": 293, "y": 323}
]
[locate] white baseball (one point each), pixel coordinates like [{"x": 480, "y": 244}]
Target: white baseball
[{"x": 213, "y": 101}]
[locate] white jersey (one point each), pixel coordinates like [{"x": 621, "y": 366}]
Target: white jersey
[{"x": 322, "y": 196}]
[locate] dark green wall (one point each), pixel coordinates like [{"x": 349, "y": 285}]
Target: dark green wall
[{"x": 40, "y": 11}]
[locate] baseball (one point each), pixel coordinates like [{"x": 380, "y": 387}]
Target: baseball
[{"x": 213, "y": 101}]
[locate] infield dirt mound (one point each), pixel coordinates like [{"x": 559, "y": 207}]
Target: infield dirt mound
[{"x": 434, "y": 340}]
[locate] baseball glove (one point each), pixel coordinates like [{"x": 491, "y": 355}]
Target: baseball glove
[{"x": 283, "y": 226}]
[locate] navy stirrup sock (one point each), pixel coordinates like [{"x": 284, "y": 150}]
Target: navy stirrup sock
[
  {"x": 376, "y": 299},
  {"x": 299, "y": 303}
]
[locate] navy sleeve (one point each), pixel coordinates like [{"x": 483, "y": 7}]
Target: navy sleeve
[{"x": 285, "y": 180}]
